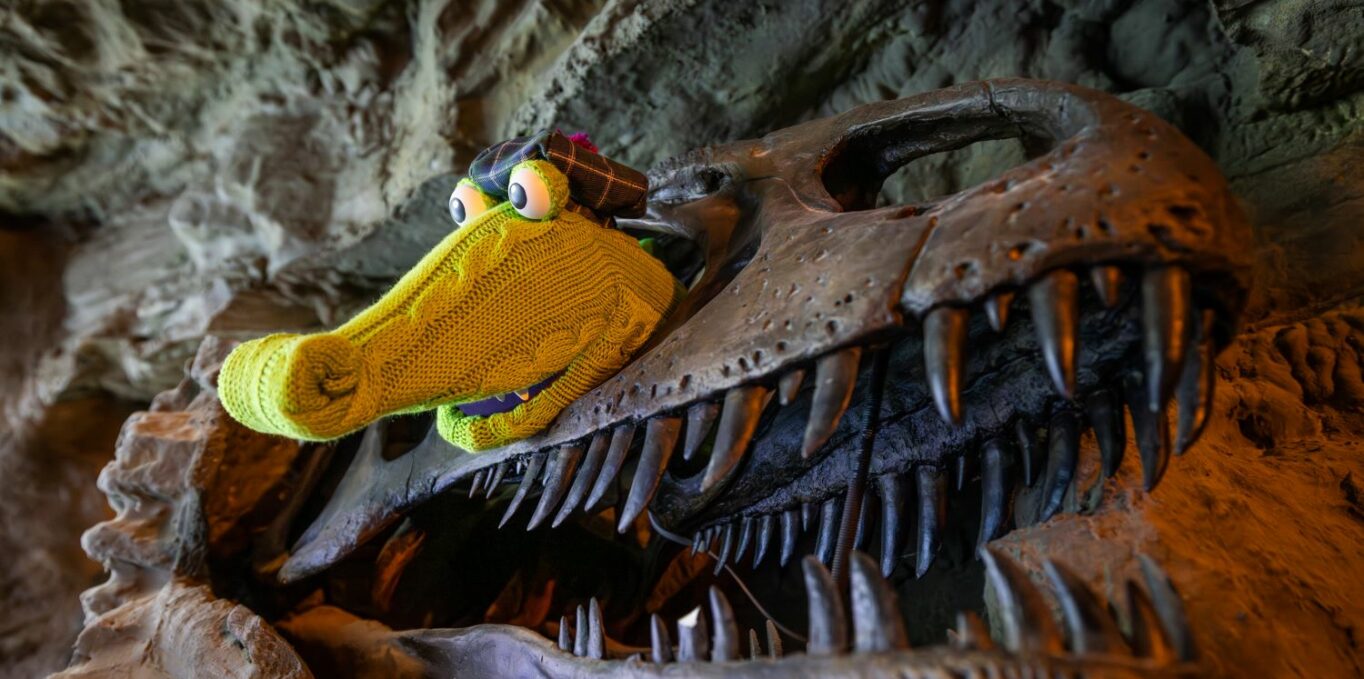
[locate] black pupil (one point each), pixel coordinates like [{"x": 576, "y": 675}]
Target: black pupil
[
  {"x": 517, "y": 194},
  {"x": 457, "y": 209}
]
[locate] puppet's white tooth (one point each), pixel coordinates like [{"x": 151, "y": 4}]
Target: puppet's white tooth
[{"x": 524, "y": 394}]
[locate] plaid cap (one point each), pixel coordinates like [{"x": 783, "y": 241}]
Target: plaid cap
[{"x": 594, "y": 181}]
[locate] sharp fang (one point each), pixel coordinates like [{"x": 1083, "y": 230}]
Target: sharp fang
[
  {"x": 1196, "y": 386},
  {"x": 745, "y": 537},
  {"x": 1166, "y": 307},
  {"x": 660, "y": 646},
  {"x": 972, "y": 633},
  {"x": 807, "y": 513},
  {"x": 738, "y": 421},
  {"x": 861, "y": 534},
  {"x": 828, "y": 530},
  {"x": 773, "y": 640},
  {"x": 932, "y": 490},
  {"x": 789, "y": 386},
  {"x": 621, "y": 439},
  {"x": 496, "y": 480},
  {"x": 565, "y": 639},
  {"x": 1149, "y": 637},
  {"x": 790, "y": 532},
  {"x": 726, "y": 546},
  {"x": 945, "y": 358},
  {"x": 1063, "y": 454},
  {"x": 693, "y": 640},
  {"x": 725, "y": 646},
  {"x": 1107, "y": 281},
  {"x": 892, "y": 495},
  {"x": 1169, "y": 608},
  {"x": 700, "y": 417},
  {"x": 660, "y": 438},
  {"x": 997, "y": 309},
  {"x": 537, "y": 461},
  {"x": 587, "y": 473},
  {"x": 580, "y": 633},
  {"x": 477, "y": 483},
  {"x": 1090, "y": 628},
  {"x": 524, "y": 395},
  {"x": 556, "y": 484},
  {"x": 828, "y": 632},
  {"x": 959, "y": 472},
  {"x": 994, "y": 490},
  {"x": 1152, "y": 433},
  {"x": 1055, "y": 314},
  {"x": 596, "y": 636},
  {"x": 1028, "y": 451},
  {"x": 766, "y": 527},
  {"x": 1110, "y": 428},
  {"x": 835, "y": 377},
  {"x": 755, "y": 649},
  {"x": 1024, "y": 615},
  {"x": 877, "y": 626}
]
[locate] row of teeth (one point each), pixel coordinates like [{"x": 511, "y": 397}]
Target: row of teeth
[
  {"x": 1177, "y": 360},
  {"x": 1159, "y": 631}
]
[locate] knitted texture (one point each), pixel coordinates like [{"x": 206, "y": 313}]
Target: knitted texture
[{"x": 497, "y": 306}]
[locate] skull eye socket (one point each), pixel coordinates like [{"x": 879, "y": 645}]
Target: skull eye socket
[
  {"x": 532, "y": 189},
  {"x": 467, "y": 203}
]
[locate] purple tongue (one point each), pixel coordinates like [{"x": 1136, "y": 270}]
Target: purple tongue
[{"x": 504, "y": 402}]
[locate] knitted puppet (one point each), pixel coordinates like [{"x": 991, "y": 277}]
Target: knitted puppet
[{"x": 528, "y": 304}]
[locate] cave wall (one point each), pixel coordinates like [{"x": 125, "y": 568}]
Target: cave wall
[{"x": 172, "y": 169}]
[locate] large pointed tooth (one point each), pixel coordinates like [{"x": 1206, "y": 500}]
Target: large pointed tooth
[
  {"x": 1023, "y": 613},
  {"x": 1196, "y": 386},
  {"x": 1149, "y": 638},
  {"x": 766, "y": 528},
  {"x": 789, "y": 386},
  {"x": 596, "y": 636},
  {"x": 790, "y": 532},
  {"x": 876, "y": 617},
  {"x": 828, "y": 633},
  {"x": 997, "y": 309},
  {"x": 861, "y": 534},
  {"x": 1107, "y": 281},
  {"x": 745, "y": 537},
  {"x": 1166, "y": 308},
  {"x": 755, "y": 647},
  {"x": 1090, "y": 628},
  {"x": 892, "y": 508},
  {"x": 773, "y": 640},
  {"x": 835, "y": 377},
  {"x": 1110, "y": 428},
  {"x": 621, "y": 439},
  {"x": 945, "y": 358},
  {"x": 1063, "y": 454},
  {"x": 994, "y": 490},
  {"x": 932, "y": 491},
  {"x": 738, "y": 421},
  {"x": 556, "y": 483},
  {"x": 587, "y": 473},
  {"x": 807, "y": 513},
  {"x": 1054, "y": 299},
  {"x": 1029, "y": 453},
  {"x": 580, "y": 633},
  {"x": 828, "y": 530},
  {"x": 700, "y": 418},
  {"x": 726, "y": 546},
  {"x": 1169, "y": 608},
  {"x": 693, "y": 639},
  {"x": 971, "y": 633},
  {"x": 659, "y": 440},
  {"x": 537, "y": 462},
  {"x": 496, "y": 480},
  {"x": 959, "y": 472},
  {"x": 660, "y": 646},
  {"x": 477, "y": 483},
  {"x": 565, "y": 638},
  {"x": 696, "y": 542},
  {"x": 726, "y": 634},
  {"x": 1152, "y": 432}
]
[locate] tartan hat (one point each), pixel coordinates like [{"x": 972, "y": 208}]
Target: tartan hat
[{"x": 594, "y": 181}]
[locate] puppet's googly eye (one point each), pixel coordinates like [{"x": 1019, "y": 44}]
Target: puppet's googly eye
[
  {"x": 467, "y": 203},
  {"x": 529, "y": 193}
]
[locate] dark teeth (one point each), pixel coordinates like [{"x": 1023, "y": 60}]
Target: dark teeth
[
  {"x": 789, "y": 386},
  {"x": 828, "y": 633},
  {"x": 835, "y": 377},
  {"x": 621, "y": 439},
  {"x": 1152, "y": 432},
  {"x": 726, "y": 640},
  {"x": 565, "y": 639},
  {"x": 959, "y": 472},
  {"x": 807, "y": 512},
  {"x": 1165, "y": 319},
  {"x": 496, "y": 481},
  {"x": 876, "y": 616},
  {"x": 556, "y": 483},
  {"x": 660, "y": 645},
  {"x": 1024, "y": 616},
  {"x": 1110, "y": 428},
  {"x": 773, "y": 641},
  {"x": 1108, "y": 283},
  {"x": 745, "y": 537},
  {"x": 755, "y": 649},
  {"x": 1063, "y": 453},
  {"x": 1196, "y": 386},
  {"x": 476, "y": 484},
  {"x": 892, "y": 506},
  {"x": 1029, "y": 453},
  {"x": 1088, "y": 626},
  {"x": 700, "y": 418},
  {"x": 537, "y": 461},
  {"x": 790, "y": 532},
  {"x": 994, "y": 490},
  {"x": 660, "y": 438},
  {"x": 696, "y": 541},
  {"x": 738, "y": 421},
  {"x": 693, "y": 640},
  {"x": 1149, "y": 639},
  {"x": 596, "y": 636},
  {"x": 587, "y": 473},
  {"x": 726, "y": 545},
  {"x": 1055, "y": 313},
  {"x": 766, "y": 527},
  {"x": 580, "y": 634},
  {"x": 971, "y": 633},
  {"x": 932, "y": 490},
  {"x": 1169, "y": 609},
  {"x": 861, "y": 524},
  {"x": 828, "y": 530},
  {"x": 997, "y": 310},
  {"x": 945, "y": 358}
]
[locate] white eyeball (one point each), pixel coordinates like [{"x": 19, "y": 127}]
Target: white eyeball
[
  {"x": 528, "y": 193},
  {"x": 467, "y": 203}
]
